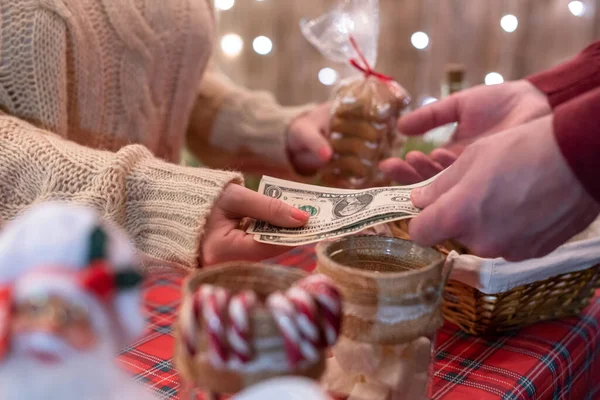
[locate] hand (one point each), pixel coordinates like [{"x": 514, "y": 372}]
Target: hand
[
  {"x": 224, "y": 240},
  {"x": 307, "y": 143},
  {"x": 509, "y": 195},
  {"x": 480, "y": 111}
]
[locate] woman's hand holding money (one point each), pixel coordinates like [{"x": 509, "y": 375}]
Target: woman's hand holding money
[{"x": 223, "y": 240}]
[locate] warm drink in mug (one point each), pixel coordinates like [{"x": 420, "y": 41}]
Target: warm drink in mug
[{"x": 392, "y": 291}]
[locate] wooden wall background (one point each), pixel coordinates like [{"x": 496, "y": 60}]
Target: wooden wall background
[{"x": 460, "y": 31}]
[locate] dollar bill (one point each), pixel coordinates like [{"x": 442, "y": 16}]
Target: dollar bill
[
  {"x": 348, "y": 230},
  {"x": 333, "y": 209}
]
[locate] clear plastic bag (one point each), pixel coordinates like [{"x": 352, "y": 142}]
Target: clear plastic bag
[{"x": 365, "y": 108}]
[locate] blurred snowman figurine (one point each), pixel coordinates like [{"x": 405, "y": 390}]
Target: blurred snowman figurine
[{"x": 70, "y": 298}]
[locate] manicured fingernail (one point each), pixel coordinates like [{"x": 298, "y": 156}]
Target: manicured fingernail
[
  {"x": 300, "y": 215},
  {"x": 325, "y": 153}
]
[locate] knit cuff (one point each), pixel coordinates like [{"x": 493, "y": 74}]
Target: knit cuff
[
  {"x": 571, "y": 79},
  {"x": 253, "y": 124},
  {"x": 166, "y": 210},
  {"x": 576, "y": 127}
]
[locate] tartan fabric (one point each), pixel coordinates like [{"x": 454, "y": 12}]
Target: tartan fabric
[{"x": 551, "y": 360}]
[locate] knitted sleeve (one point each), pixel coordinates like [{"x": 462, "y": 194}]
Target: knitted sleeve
[
  {"x": 162, "y": 206},
  {"x": 232, "y": 127}
]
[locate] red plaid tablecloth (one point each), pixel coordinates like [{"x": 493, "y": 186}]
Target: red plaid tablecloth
[{"x": 552, "y": 360}]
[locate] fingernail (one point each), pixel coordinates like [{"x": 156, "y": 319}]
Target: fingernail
[
  {"x": 325, "y": 153},
  {"x": 300, "y": 215}
]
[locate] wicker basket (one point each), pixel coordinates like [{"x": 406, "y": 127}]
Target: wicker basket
[{"x": 479, "y": 313}]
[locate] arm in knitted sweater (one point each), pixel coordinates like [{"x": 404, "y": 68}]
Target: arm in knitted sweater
[
  {"x": 162, "y": 206},
  {"x": 232, "y": 127}
]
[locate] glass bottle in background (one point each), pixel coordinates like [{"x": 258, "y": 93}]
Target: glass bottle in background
[{"x": 454, "y": 82}]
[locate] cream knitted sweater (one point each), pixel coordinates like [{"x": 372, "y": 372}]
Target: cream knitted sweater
[{"x": 98, "y": 97}]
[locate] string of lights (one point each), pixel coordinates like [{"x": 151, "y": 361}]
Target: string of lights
[
  {"x": 509, "y": 23},
  {"x": 232, "y": 44}
]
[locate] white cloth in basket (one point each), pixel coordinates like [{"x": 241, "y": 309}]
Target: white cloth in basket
[{"x": 492, "y": 276}]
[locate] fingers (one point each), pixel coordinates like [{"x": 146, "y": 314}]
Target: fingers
[
  {"x": 238, "y": 201},
  {"x": 423, "y": 164},
  {"x": 417, "y": 167},
  {"x": 400, "y": 171},
  {"x": 322, "y": 115},
  {"x": 241, "y": 246},
  {"x": 443, "y": 157},
  {"x": 427, "y": 195},
  {"x": 435, "y": 223},
  {"x": 306, "y": 163},
  {"x": 431, "y": 116},
  {"x": 309, "y": 137},
  {"x": 309, "y": 133}
]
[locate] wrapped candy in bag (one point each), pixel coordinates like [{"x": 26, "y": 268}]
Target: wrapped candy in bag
[{"x": 365, "y": 108}]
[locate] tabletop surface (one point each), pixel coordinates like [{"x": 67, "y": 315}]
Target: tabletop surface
[{"x": 551, "y": 360}]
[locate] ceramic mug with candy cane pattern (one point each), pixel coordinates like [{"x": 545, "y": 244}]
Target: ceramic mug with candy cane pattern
[{"x": 243, "y": 323}]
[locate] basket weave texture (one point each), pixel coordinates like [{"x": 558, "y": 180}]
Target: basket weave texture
[
  {"x": 561, "y": 296},
  {"x": 478, "y": 313}
]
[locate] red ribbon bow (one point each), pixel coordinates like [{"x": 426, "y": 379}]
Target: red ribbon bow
[{"x": 365, "y": 67}]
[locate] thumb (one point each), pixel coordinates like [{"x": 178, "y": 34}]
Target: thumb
[
  {"x": 315, "y": 142},
  {"x": 309, "y": 136},
  {"x": 426, "y": 195},
  {"x": 306, "y": 163},
  {"x": 238, "y": 201},
  {"x": 431, "y": 226}
]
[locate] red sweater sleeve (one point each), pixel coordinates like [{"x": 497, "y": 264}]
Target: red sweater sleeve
[
  {"x": 571, "y": 79},
  {"x": 577, "y": 131}
]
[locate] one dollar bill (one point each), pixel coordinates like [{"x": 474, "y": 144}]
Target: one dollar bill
[
  {"x": 333, "y": 211},
  {"x": 348, "y": 230}
]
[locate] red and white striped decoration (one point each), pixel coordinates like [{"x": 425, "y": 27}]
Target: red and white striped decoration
[
  {"x": 190, "y": 321},
  {"x": 214, "y": 311},
  {"x": 285, "y": 316},
  {"x": 308, "y": 316},
  {"x": 329, "y": 301},
  {"x": 239, "y": 331},
  {"x": 307, "y": 322}
]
